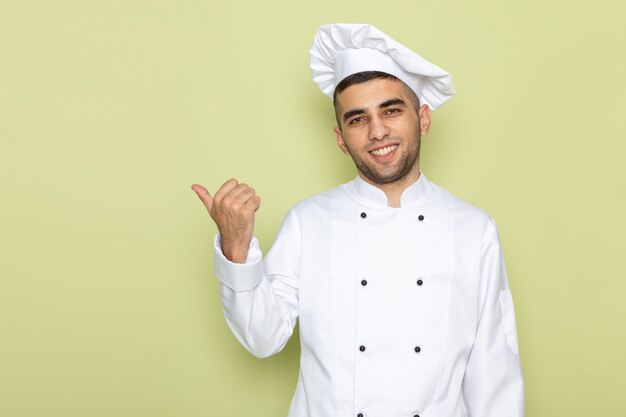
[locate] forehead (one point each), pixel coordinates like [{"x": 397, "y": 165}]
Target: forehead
[{"x": 372, "y": 93}]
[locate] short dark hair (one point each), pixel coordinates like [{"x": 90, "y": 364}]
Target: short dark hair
[
  {"x": 359, "y": 78},
  {"x": 363, "y": 77}
]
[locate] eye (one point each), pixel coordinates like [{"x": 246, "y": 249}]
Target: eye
[
  {"x": 355, "y": 120},
  {"x": 393, "y": 110}
]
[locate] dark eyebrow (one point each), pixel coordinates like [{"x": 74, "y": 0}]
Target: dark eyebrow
[
  {"x": 392, "y": 102},
  {"x": 385, "y": 104},
  {"x": 351, "y": 113}
]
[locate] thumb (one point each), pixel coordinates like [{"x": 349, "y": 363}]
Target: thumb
[{"x": 204, "y": 195}]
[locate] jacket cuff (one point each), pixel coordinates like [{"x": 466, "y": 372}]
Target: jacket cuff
[{"x": 239, "y": 277}]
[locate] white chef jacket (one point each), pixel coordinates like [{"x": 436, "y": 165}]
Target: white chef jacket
[{"x": 403, "y": 311}]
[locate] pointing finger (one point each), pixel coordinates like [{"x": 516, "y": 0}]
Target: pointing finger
[{"x": 204, "y": 195}]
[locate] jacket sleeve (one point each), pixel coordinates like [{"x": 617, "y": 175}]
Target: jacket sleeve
[
  {"x": 260, "y": 297},
  {"x": 493, "y": 385}
]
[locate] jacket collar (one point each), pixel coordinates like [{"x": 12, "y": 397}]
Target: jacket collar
[{"x": 372, "y": 196}]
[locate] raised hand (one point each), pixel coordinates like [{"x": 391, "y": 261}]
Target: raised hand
[{"x": 232, "y": 209}]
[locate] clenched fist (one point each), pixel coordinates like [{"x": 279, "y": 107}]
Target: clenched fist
[{"x": 232, "y": 209}]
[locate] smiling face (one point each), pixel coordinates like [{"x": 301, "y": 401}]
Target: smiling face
[{"x": 380, "y": 128}]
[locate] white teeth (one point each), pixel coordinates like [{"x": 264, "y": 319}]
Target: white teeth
[{"x": 384, "y": 151}]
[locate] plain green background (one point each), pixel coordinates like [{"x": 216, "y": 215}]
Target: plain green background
[{"x": 110, "y": 110}]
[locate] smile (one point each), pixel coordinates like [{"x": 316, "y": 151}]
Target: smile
[{"x": 384, "y": 151}]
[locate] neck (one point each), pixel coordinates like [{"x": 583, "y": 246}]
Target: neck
[{"x": 394, "y": 190}]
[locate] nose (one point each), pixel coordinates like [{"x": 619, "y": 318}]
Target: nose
[{"x": 378, "y": 129}]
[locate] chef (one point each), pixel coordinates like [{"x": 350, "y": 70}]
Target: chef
[{"x": 400, "y": 287}]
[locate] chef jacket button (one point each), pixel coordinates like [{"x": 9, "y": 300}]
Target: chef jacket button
[
  {"x": 362, "y": 348},
  {"x": 420, "y": 217},
  {"x": 420, "y": 282},
  {"x": 359, "y": 415},
  {"x": 364, "y": 283},
  {"x": 418, "y": 349},
  {"x": 416, "y": 415},
  {"x": 363, "y": 215}
]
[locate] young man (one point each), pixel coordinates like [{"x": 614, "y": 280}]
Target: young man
[{"x": 400, "y": 287}]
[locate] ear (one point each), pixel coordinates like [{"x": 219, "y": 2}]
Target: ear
[
  {"x": 340, "y": 141},
  {"x": 424, "y": 114}
]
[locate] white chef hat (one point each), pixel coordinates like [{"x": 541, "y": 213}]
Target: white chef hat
[{"x": 340, "y": 50}]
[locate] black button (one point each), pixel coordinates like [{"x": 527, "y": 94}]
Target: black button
[
  {"x": 416, "y": 415},
  {"x": 364, "y": 283},
  {"x": 361, "y": 415},
  {"x": 362, "y": 348},
  {"x": 418, "y": 349},
  {"x": 363, "y": 215},
  {"x": 420, "y": 217},
  {"x": 420, "y": 282}
]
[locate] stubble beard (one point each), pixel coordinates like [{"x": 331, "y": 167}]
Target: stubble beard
[{"x": 404, "y": 165}]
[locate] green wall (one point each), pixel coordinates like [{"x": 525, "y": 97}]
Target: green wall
[{"x": 110, "y": 110}]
